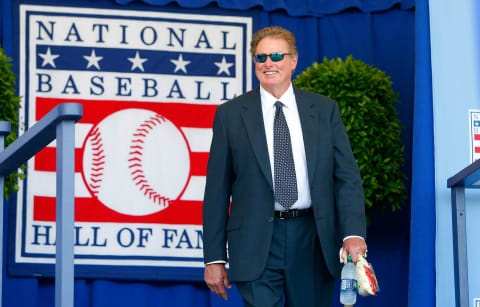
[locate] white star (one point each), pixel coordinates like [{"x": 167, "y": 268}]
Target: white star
[
  {"x": 93, "y": 59},
  {"x": 180, "y": 64},
  {"x": 48, "y": 58},
  {"x": 137, "y": 62},
  {"x": 223, "y": 66}
]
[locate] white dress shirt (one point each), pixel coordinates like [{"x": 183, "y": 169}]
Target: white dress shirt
[{"x": 298, "y": 147}]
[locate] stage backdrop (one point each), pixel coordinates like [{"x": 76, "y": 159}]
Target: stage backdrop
[
  {"x": 456, "y": 75},
  {"x": 380, "y": 33},
  {"x": 149, "y": 83}
]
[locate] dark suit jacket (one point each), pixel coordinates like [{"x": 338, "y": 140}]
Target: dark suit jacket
[{"x": 239, "y": 167}]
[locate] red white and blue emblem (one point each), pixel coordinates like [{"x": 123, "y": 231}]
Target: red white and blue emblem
[
  {"x": 474, "y": 119},
  {"x": 149, "y": 83}
]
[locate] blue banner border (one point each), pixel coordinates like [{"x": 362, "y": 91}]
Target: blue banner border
[{"x": 105, "y": 271}]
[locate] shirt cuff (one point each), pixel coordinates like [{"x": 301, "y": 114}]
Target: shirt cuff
[
  {"x": 216, "y": 261},
  {"x": 348, "y": 237}
]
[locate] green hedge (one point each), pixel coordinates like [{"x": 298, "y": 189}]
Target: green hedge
[
  {"x": 367, "y": 106},
  {"x": 9, "y": 105}
]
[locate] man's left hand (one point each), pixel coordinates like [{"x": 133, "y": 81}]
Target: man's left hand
[{"x": 353, "y": 247}]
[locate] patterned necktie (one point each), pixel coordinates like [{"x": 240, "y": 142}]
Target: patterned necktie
[{"x": 286, "y": 192}]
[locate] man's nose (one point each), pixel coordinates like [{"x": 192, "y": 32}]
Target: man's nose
[{"x": 269, "y": 61}]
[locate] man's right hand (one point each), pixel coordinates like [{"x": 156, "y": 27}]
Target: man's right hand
[{"x": 216, "y": 277}]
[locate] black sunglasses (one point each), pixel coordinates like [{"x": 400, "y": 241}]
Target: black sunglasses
[{"x": 275, "y": 57}]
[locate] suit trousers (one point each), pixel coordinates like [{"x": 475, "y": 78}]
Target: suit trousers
[{"x": 296, "y": 272}]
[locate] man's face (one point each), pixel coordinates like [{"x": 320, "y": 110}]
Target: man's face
[{"x": 275, "y": 77}]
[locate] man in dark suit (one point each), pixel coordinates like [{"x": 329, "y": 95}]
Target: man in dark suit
[{"x": 283, "y": 188}]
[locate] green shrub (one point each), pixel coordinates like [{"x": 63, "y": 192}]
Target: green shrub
[
  {"x": 9, "y": 105},
  {"x": 367, "y": 106}
]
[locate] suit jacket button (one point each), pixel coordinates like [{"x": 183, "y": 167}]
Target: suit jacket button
[{"x": 270, "y": 219}]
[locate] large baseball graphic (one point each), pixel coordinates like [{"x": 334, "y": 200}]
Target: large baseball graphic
[{"x": 136, "y": 162}]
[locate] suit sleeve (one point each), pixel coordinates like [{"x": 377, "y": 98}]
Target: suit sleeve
[
  {"x": 349, "y": 197},
  {"x": 217, "y": 193}
]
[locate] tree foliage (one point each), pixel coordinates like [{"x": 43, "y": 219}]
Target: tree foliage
[
  {"x": 9, "y": 105},
  {"x": 367, "y": 105}
]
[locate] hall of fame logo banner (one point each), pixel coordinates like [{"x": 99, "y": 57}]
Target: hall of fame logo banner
[
  {"x": 474, "y": 121},
  {"x": 149, "y": 83}
]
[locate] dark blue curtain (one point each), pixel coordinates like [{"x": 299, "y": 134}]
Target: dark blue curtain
[
  {"x": 317, "y": 8},
  {"x": 379, "y": 32},
  {"x": 422, "y": 242}
]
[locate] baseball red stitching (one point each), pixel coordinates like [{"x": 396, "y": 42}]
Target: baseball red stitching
[
  {"x": 98, "y": 161},
  {"x": 136, "y": 160}
]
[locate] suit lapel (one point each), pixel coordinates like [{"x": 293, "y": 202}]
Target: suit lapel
[
  {"x": 253, "y": 118},
  {"x": 309, "y": 121}
]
